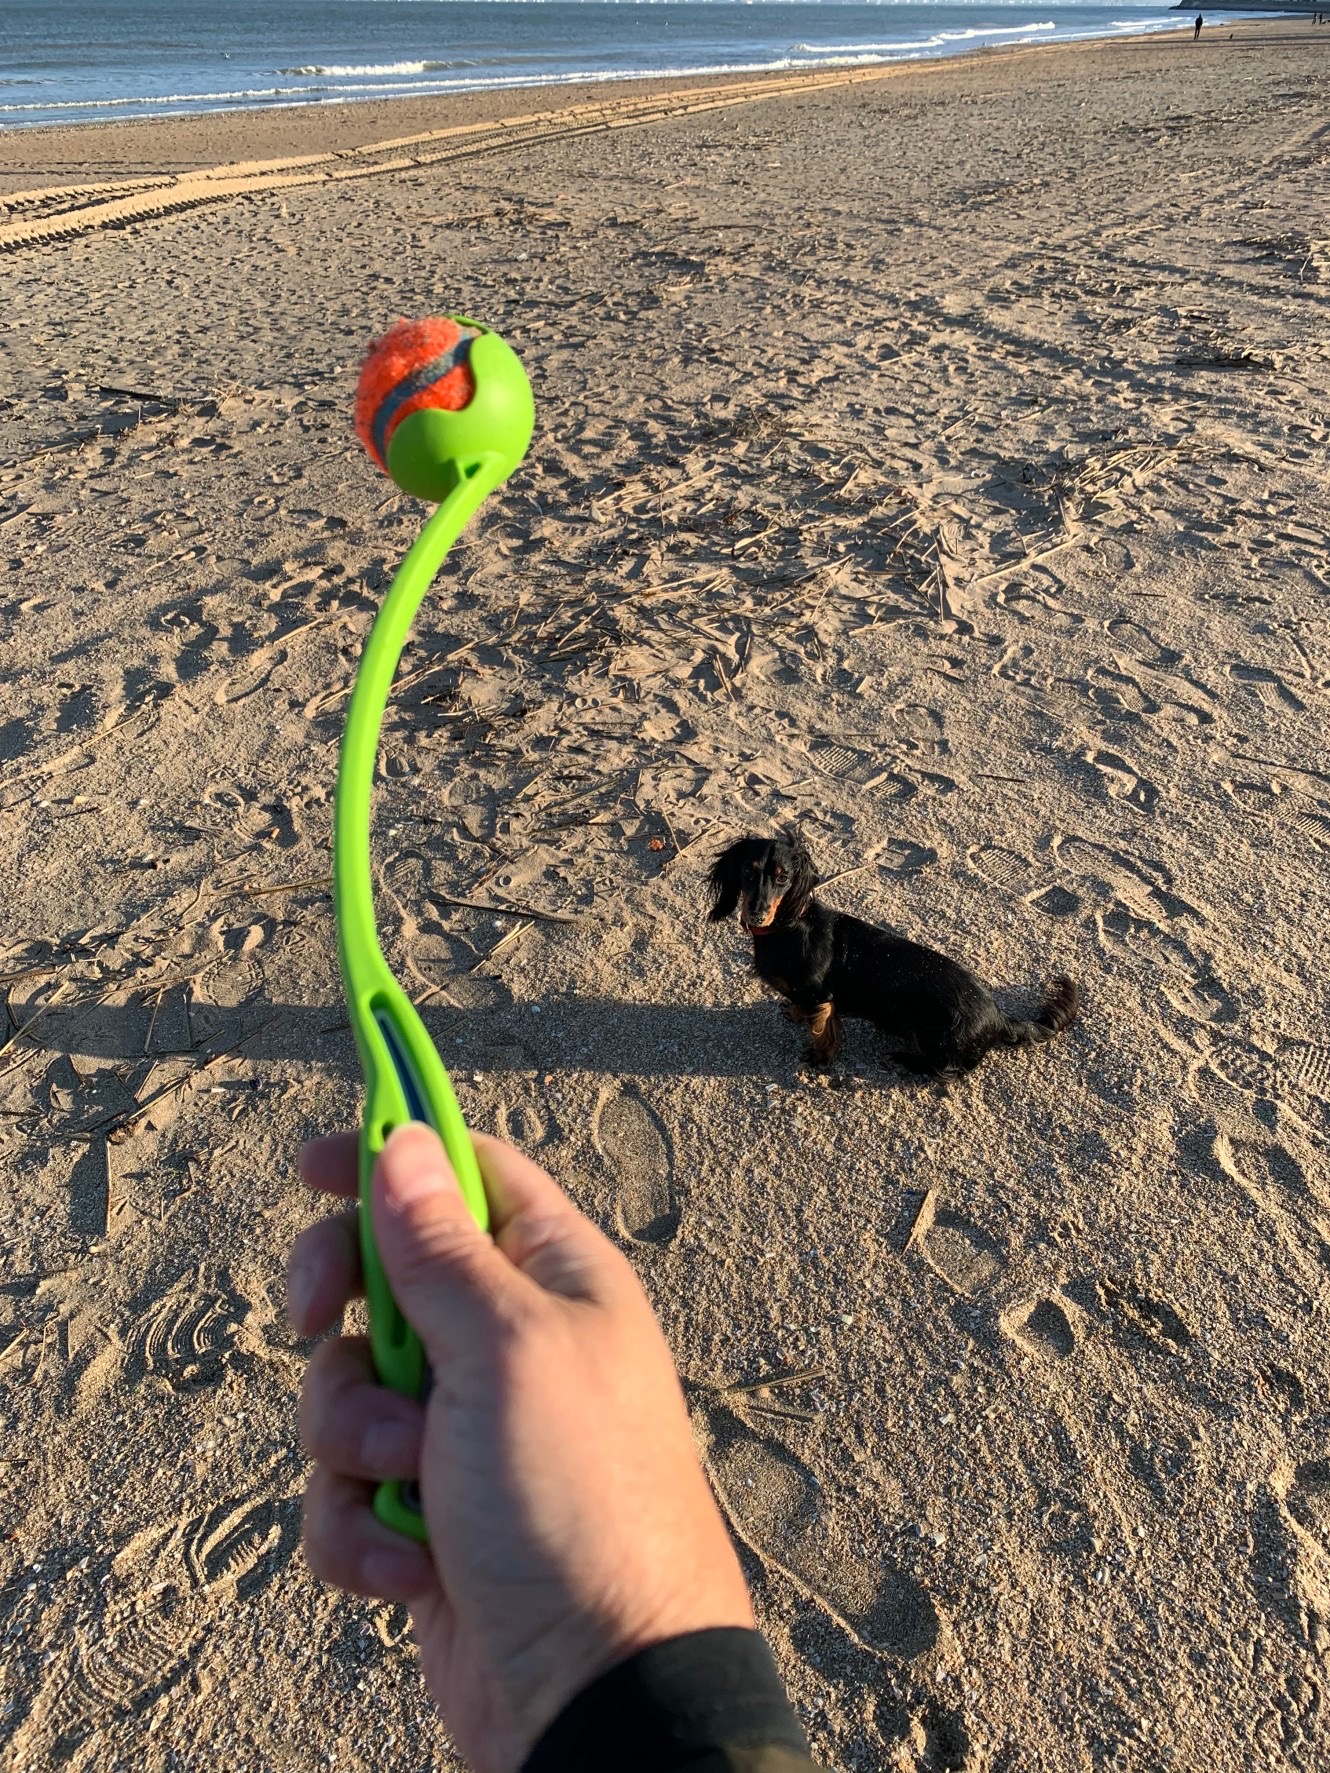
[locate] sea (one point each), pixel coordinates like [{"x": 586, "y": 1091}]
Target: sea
[{"x": 73, "y": 61}]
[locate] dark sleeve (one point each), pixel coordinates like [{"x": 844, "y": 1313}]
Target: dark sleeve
[{"x": 707, "y": 1702}]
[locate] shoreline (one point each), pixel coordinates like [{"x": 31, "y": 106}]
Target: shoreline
[
  {"x": 193, "y": 140},
  {"x": 500, "y": 88}
]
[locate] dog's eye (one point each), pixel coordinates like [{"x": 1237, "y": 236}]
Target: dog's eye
[{"x": 780, "y": 874}]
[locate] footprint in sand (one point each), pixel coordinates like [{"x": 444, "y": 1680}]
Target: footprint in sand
[
  {"x": 184, "y": 1338},
  {"x": 232, "y": 982},
  {"x": 1246, "y": 1068},
  {"x": 892, "y": 786},
  {"x": 1298, "y": 1065},
  {"x": 1279, "y": 1187},
  {"x": 1021, "y": 665},
  {"x": 1119, "y": 695},
  {"x": 879, "y": 771},
  {"x": 1056, "y": 901},
  {"x": 1042, "y": 1327},
  {"x": 1313, "y": 825},
  {"x": 1148, "y": 650},
  {"x": 1284, "y": 1389},
  {"x": 1122, "y": 782},
  {"x": 1267, "y": 686},
  {"x": 1308, "y": 1066},
  {"x": 238, "y": 1546},
  {"x": 1144, "y": 887},
  {"x": 1202, "y": 999},
  {"x": 636, "y": 1149},
  {"x": 153, "y": 1616},
  {"x": 965, "y": 1256},
  {"x": 940, "y": 1741},
  {"x": 903, "y": 777},
  {"x": 1187, "y": 977},
  {"x": 392, "y": 1627},
  {"x": 836, "y": 759},
  {"x": 140, "y": 1648},
  {"x": 1184, "y": 699},
  {"x": 1169, "y": 1466},
  {"x": 1137, "y": 1317},
  {"x": 1300, "y": 1493},
  {"x": 900, "y": 856},
  {"x": 523, "y": 1124},
  {"x": 1113, "y": 554},
  {"x": 1254, "y": 796},
  {"x": 1004, "y": 867},
  {"x": 1306, "y": 1493},
  {"x": 921, "y": 724},
  {"x": 248, "y": 682},
  {"x": 775, "y": 1505},
  {"x": 1038, "y": 608}
]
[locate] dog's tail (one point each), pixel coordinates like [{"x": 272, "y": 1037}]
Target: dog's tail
[{"x": 1061, "y": 1008}]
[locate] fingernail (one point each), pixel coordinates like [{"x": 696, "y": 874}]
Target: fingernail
[
  {"x": 299, "y": 1293},
  {"x": 413, "y": 1165},
  {"x": 391, "y": 1449}
]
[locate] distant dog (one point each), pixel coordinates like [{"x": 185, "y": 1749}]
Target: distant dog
[{"x": 827, "y": 965}]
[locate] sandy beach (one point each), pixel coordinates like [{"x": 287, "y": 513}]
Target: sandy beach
[{"x": 933, "y": 456}]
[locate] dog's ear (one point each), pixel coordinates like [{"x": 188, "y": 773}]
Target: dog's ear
[
  {"x": 795, "y": 838},
  {"x": 803, "y": 883},
  {"x": 724, "y": 883}
]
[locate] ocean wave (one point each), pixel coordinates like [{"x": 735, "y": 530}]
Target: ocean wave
[
  {"x": 164, "y": 98},
  {"x": 935, "y": 41},
  {"x": 995, "y": 31},
  {"x": 350, "y": 71}
]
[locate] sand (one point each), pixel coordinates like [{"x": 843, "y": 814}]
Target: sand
[{"x": 937, "y": 460}]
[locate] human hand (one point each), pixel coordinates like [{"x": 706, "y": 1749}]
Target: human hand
[{"x": 570, "y": 1524}]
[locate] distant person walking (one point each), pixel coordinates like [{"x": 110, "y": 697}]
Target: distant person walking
[{"x": 1200, "y": 20}]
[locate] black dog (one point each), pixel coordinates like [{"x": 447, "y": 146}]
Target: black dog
[{"x": 827, "y": 965}]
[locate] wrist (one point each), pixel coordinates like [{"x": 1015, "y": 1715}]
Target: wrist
[
  {"x": 583, "y": 1650},
  {"x": 671, "y": 1703}
]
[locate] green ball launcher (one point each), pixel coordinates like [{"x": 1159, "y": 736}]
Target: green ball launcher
[{"x": 454, "y": 460}]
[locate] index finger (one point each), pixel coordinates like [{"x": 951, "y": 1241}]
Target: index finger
[
  {"x": 541, "y": 1231},
  {"x": 332, "y": 1166}
]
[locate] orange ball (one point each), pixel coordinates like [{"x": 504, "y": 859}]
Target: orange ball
[{"x": 415, "y": 365}]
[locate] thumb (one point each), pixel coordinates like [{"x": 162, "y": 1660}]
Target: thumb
[{"x": 445, "y": 1273}]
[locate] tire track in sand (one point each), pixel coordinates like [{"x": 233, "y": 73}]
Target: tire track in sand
[{"x": 64, "y": 212}]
